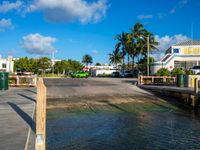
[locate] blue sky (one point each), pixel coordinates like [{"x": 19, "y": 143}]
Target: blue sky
[{"x": 73, "y": 28}]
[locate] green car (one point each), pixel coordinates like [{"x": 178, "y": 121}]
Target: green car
[{"x": 80, "y": 75}]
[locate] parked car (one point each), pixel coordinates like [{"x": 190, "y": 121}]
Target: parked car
[
  {"x": 80, "y": 75},
  {"x": 115, "y": 74},
  {"x": 195, "y": 69},
  {"x": 126, "y": 74}
]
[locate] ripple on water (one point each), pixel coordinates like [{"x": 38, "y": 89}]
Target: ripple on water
[{"x": 123, "y": 130}]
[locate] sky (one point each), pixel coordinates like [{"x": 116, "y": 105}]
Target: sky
[{"x": 72, "y": 28}]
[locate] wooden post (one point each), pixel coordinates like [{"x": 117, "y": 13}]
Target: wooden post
[
  {"x": 40, "y": 143},
  {"x": 196, "y": 90}
]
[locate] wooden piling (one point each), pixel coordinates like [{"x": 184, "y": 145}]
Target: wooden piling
[
  {"x": 196, "y": 90},
  {"x": 40, "y": 143}
]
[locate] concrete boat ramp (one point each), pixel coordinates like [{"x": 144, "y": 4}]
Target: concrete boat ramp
[{"x": 17, "y": 126}]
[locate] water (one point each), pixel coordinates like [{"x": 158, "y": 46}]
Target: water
[{"x": 143, "y": 126}]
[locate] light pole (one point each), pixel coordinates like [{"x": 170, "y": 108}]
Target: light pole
[
  {"x": 148, "y": 55},
  {"x": 53, "y": 62}
]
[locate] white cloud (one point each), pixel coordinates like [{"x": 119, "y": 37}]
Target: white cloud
[
  {"x": 5, "y": 24},
  {"x": 38, "y": 44},
  {"x": 165, "y": 42},
  {"x": 70, "y": 10},
  {"x": 144, "y": 16},
  {"x": 180, "y": 5},
  {"x": 6, "y": 6}
]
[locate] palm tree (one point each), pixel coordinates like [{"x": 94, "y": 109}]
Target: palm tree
[
  {"x": 138, "y": 41},
  {"x": 87, "y": 59},
  {"x": 122, "y": 39},
  {"x": 115, "y": 57},
  {"x": 137, "y": 31}
]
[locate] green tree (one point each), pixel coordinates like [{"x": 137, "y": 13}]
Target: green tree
[
  {"x": 44, "y": 63},
  {"x": 139, "y": 41},
  {"x": 115, "y": 57},
  {"x": 87, "y": 59},
  {"x": 74, "y": 65},
  {"x": 142, "y": 64},
  {"x": 98, "y": 64},
  {"x": 61, "y": 66},
  {"x": 121, "y": 45},
  {"x": 26, "y": 64}
]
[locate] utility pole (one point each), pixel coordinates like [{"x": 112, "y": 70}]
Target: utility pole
[{"x": 53, "y": 62}]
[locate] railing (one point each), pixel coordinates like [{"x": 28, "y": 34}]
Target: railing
[
  {"x": 157, "y": 80},
  {"x": 18, "y": 81}
]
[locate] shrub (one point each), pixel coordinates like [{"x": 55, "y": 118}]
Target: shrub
[
  {"x": 177, "y": 71},
  {"x": 188, "y": 72},
  {"x": 163, "y": 72}
]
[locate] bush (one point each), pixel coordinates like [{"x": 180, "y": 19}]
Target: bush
[
  {"x": 163, "y": 72},
  {"x": 177, "y": 71},
  {"x": 188, "y": 72}
]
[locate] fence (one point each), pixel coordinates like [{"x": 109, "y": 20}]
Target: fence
[
  {"x": 160, "y": 80},
  {"x": 16, "y": 81}
]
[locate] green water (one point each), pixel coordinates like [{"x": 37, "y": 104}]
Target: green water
[{"x": 123, "y": 127}]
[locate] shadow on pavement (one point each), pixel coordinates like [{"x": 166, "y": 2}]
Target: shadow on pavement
[
  {"x": 23, "y": 115},
  {"x": 29, "y": 98},
  {"x": 31, "y": 91}
]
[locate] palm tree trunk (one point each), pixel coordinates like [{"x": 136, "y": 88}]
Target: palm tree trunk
[{"x": 133, "y": 64}]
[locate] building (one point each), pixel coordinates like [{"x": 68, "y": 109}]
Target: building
[
  {"x": 182, "y": 55},
  {"x": 102, "y": 70},
  {"x": 7, "y": 65}
]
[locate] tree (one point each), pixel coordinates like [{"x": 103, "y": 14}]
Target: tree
[
  {"x": 26, "y": 64},
  {"x": 44, "y": 63},
  {"x": 98, "y": 64},
  {"x": 61, "y": 66},
  {"x": 122, "y": 40},
  {"x": 87, "y": 59},
  {"x": 115, "y": 57},
  {"x": 74, "y": 65}
]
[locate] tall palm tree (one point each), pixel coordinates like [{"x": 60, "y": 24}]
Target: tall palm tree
[
  {"x": 139, "y": 39},
  {"x": 87, "y": 59},
  {"x": 137, "y": 31},
  {"x": 122, "y": 40},
  {"x": 115, "y": 57}
]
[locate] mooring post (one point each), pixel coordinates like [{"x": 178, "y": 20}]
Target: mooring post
[
  {"x": 40, "y": 143},
  {"x": 196, "y": 91}
]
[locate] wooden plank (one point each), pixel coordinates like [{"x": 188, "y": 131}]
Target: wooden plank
[{"x": 41, "y": 116}]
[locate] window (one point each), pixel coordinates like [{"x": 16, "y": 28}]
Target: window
[
  {"x": 176, "y": 50},
  {"x": 3, "y": 65}
]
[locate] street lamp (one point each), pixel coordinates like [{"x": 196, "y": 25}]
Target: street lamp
[
  {"x": 147, "y": 55},
  {"x": 53, "y": 62}
]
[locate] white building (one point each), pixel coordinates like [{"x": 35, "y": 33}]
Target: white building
[
  {"x": 182, "y": 55},
  {"x": 7, "y": 65},
  {"x": 102, "y": 70}
]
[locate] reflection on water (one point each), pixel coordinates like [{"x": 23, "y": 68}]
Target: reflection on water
[{"x": 172, "y": 129}]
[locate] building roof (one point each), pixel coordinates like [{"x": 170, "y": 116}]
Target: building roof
[{"x": 188, "y": 43}]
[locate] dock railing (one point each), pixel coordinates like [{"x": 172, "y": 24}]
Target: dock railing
[
  {"x": 40, "y": 142},
  {"x": 20, "y": 81},
  {"x": 157, "y": 80}
]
